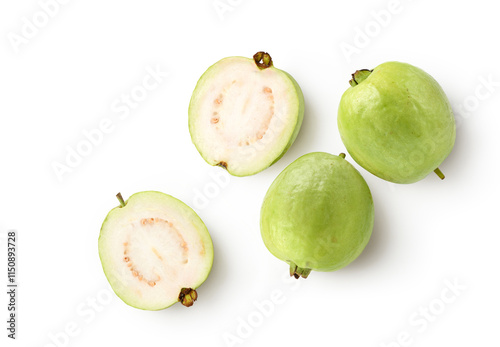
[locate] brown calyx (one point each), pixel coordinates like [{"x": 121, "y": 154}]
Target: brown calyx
[
  {"x": 263, "y": 60},
  {"x": 188, "y": 296}
]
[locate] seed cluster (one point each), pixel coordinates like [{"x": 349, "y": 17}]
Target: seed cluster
[
  {"x": 130, "y": 265},
  {"x": 267, "y": 120}
]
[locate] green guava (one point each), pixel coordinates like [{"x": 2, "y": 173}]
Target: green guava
[
  {"x": 396, "y": 122},
  {"x": 155, "y": 251},
  {"x": 317, "y": 215},
  {"x": 244, "y": 114}
]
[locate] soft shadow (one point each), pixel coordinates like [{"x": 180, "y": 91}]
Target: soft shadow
[
  {"x": 378, "y": 241},
  {"x": 306, "y": 136},
  {"x": 460, "y": 153},
  {"x": 211, "y": 288}
]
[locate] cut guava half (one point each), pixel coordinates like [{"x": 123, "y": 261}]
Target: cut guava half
[
  {"x": 155, "y": 251},
  {"x": 244, "y": 114}
]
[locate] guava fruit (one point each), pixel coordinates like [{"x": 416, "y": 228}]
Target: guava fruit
[
  {"x": 244, "y": 114},
  {"x": 317, "y": 215},
  {"x": 155, "y": 251},
  {"x": 396, "y": 122}
]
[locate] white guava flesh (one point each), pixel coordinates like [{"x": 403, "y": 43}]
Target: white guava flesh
[
  {"x": 155, "y": 251},
  {"x": 244, "y": 116}
]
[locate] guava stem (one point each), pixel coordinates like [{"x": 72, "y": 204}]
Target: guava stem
[
  {"x": 188, "y": 296},
  {"x": 263, "y": 60},
  {"x": 439, "y": 173},
  {"x": 359, "y": 76},
  {"x": 120, "y": 199},
  {"x": 342, "y": 155},
  {"x": 298, "y": 272}
]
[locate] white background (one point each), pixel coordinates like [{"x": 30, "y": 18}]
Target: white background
[{"x": 65, "y": 79}]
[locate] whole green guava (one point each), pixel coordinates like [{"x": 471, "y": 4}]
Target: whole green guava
[
  {"x": 318, "y": 214},
  {"x": 396, "y": 122}
]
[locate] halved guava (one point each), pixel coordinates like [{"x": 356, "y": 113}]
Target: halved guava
[
  {"x": 244, "y": 114},
  {"x": 155, "y": 251}
]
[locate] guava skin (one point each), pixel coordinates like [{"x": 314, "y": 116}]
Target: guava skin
[
  {"x": 396, "y": 122},
  {"x": 318, "y": 213}
]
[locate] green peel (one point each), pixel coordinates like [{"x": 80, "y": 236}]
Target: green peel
[
  {"x": 317, "y": 215},
  {"x": 396, "y": 122}
]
